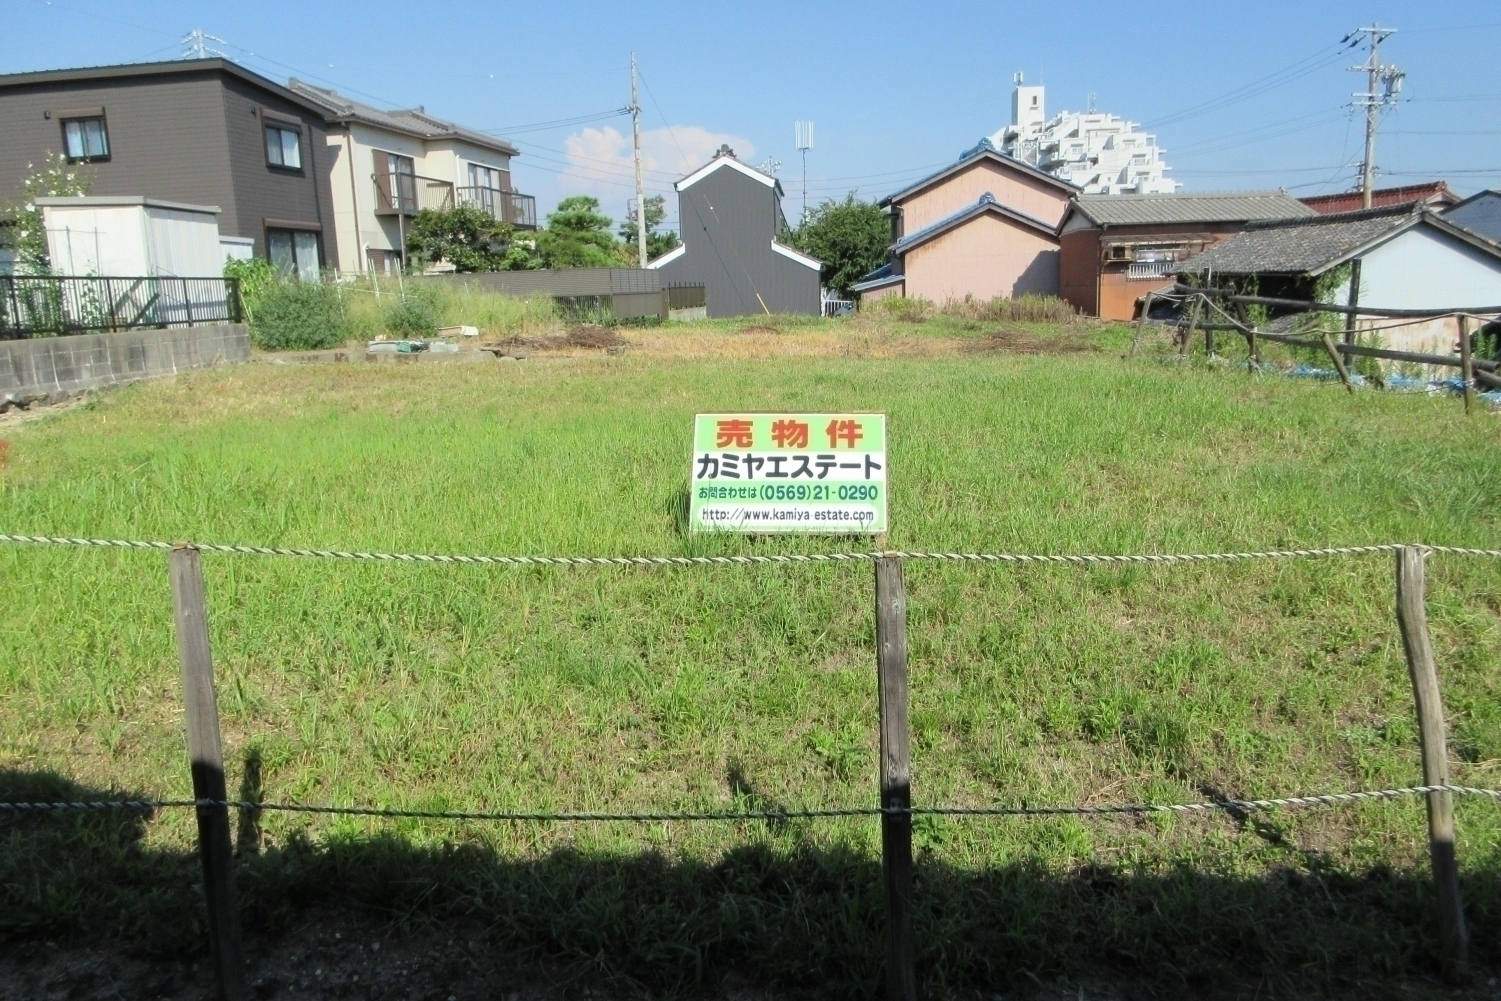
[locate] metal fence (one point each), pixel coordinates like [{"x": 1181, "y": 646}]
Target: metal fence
[
  {"x": 46, "y": 305},
  {"x": 685, "y": 296}
]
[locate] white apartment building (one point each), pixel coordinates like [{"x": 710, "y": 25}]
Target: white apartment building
[
  {"x": 389, "y": 165},
  {"x": 1101, "y": 153}
]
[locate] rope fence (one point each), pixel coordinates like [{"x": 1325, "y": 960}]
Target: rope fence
[
  {"x": 895, "y": 810},
  {"x": 777, "y": 558},
  {"x": 739, "y": 816}
]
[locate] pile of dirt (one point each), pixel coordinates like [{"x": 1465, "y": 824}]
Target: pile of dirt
[
  {"x": 594, "y": 336},
  {"x": 1021, "y": 342},
  {"x": 589, "y": 336}
]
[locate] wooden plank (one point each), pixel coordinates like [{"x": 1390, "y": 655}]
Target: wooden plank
[
  {"x": 1193, "y": 321},
  {"x": 206, "y": 753},
  {"x": 1466, "y": 363},
  {"x": 1324, "y": 307},
  {"x": 1339, "y": 363},
  {"x": 1146, "y": 307},
  {"x": 1412, "y": 619},
  {"x": 896, "y": 778}
]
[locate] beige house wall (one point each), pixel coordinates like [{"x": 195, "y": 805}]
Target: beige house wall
[
  {"x": 986, "y": 257},
  {"x": 1011, "y": 188},
  {"x": 355, "y": 223},
  {"x": 883, "y": 292}
]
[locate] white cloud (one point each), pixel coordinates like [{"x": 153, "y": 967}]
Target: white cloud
[{"x": 601, "y": 159}]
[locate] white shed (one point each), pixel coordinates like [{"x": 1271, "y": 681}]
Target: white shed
[{"x": 132, "y": 237}]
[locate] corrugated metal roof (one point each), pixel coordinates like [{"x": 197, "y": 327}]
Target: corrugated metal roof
[
  {"x": 1205, "y": 206},
  {"x": 1302, "y": 246},
  {"x": 408, "y": 121}
]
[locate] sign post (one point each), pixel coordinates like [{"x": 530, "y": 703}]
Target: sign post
[{"x": 756, "y": 474}]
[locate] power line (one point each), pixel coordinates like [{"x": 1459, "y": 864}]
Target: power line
[
  {"x": 1326, "y": 56},
  {"x": 558, "y": 123}
]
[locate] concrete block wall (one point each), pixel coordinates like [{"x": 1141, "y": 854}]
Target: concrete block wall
[{"x": 56, "y": 367}]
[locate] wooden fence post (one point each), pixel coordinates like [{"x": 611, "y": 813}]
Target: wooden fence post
[
  {"x": 190, "y": 612},
  {"x": 1193, "y": 322},
  {"x": 1339, "y": 363},
  {"x": 1146, "y": 307},
  {"x": 1466, "y": 363},
  {"x": 896, "y": 778},
  {"x": 1412, "y": 618}
]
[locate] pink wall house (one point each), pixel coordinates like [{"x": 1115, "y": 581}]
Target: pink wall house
[{"x": 985, "y": 226}]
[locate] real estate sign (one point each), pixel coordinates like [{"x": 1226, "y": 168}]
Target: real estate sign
[{"x": 815, "y": 473}]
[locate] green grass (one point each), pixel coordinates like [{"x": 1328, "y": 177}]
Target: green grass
[{"x": 463, "y": 687}]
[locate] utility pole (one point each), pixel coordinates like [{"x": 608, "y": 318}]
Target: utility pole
[
  {"x": 640, "y": 190},
  {"x": 1389, "y": 78}
]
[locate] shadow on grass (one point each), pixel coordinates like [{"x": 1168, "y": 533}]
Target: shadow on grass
[{"x": 779, "y": 914}]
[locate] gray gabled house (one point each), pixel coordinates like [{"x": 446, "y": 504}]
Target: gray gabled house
[{"x": 732, "y": 225}]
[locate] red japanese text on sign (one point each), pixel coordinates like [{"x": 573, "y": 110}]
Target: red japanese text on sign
[
  {"x": 733, "y": 434},
  {"x": 847, "y": 431},
  {"x": 790, "y": 434}
]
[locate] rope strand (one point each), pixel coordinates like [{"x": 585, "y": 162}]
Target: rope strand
[
  {"x": 1243, "y": 805},
  {"x": 782, "y": 558}
]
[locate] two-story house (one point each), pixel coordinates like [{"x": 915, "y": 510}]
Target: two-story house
[
  {"x": 199, "y": 131},
  {"x": 984, "y": 226},
  {"x": 389, "y": 165}
]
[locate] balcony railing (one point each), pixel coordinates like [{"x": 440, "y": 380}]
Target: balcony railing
[
  {"x": 409, "y": 194},
  {"x": 508, "y": 206},
  {"x": 1142, "y": 270}
]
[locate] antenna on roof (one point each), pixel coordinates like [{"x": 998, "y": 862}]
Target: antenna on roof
[
  {"x": 195, "y": 47},
  {"x": 803, "y": 135},
  {"x": 1091, "y": 103}
]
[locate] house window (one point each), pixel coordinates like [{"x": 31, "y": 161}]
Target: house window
[
  {"x": 481, "y": 176},
  {"x": 294, "y": 253},
  {"x": 86, "y": 139},
  {"x": 284, "y": 146}
]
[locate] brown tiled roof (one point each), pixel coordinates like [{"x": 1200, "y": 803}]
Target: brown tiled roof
[
  {"x": 1435, "y": 193},
  {"x": 1298, "y": 246}
]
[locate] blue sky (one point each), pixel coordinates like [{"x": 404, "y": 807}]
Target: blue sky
[{"x": 1240, "y": 96}]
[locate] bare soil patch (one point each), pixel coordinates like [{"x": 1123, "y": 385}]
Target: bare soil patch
[{"x": 1025, "y": 343}]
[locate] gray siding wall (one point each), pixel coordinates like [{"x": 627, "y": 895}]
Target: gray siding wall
[
  {"x": 166, "y": 138},
  {"x": 564, "y": 282},
  {"x": 185, "y": 137},
  {"x": 728, "y": 222},
  {"x": 266, "y": 192}
]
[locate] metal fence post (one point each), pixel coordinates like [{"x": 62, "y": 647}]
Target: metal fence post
[
  {"x": 1412, "y": 618},
  {"x": 896, "y": 778},
  {"x": 190, "y": 613}
]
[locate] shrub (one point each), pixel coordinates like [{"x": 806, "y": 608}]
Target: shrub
[
  {"x": 297, "y": 316},
  {"x": 256, "y": 277},
  {"x": 413, "y": 319}
]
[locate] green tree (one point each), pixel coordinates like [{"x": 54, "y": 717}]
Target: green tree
[
  {"x": 850, "y": 237},
  {"x": 465, "y": 236},
  {"x": 657, "y": 244},
  {"x": 578, "y": 236},
  {"x": 24, "y": 232}
]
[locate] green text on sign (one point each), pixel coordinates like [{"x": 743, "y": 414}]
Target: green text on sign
[{"x": 816, "y": 473}]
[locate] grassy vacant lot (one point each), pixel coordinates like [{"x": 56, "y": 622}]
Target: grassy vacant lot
[{"x": 620, "y": 689}]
